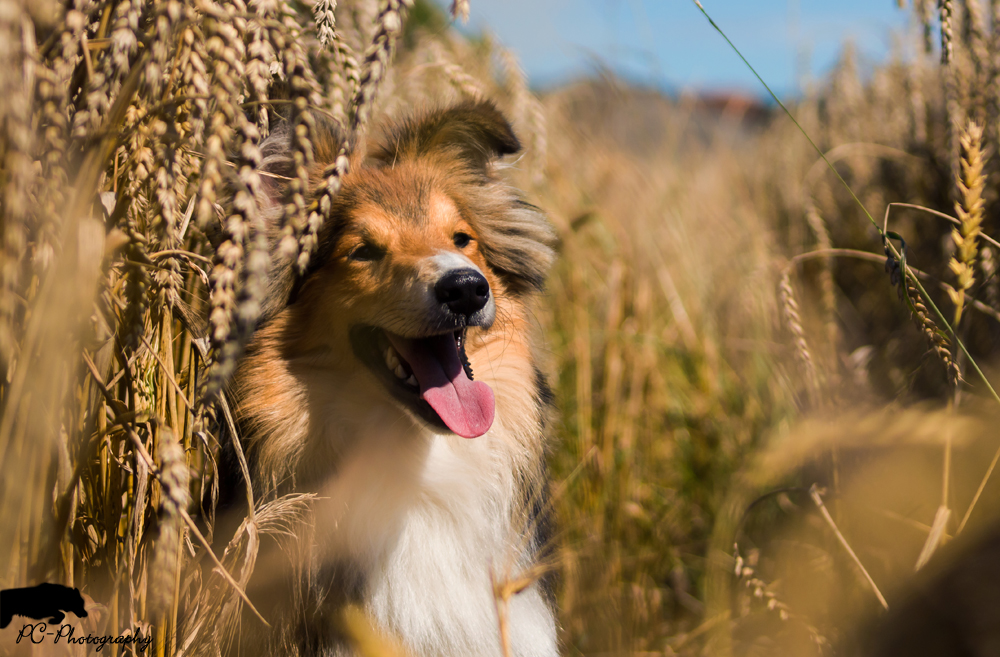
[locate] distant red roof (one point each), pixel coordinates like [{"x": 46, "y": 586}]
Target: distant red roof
[{"x": 732, "y": 104}]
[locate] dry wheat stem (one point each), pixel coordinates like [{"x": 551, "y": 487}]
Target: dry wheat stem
[
  {"x": 942, "y": 215},
  {"x": 979, "y": 491},
  {"x": 794, "y": 322},
  {"x": 984, "y": 308},
  {"x": 824, "y": 242},
  {"x": 389, "y": 23},
  {"x": 934, "y": 537},
  {"x": 914, "y": 299},
  {"x": 910, "y": 290},
  {"x": 814, "y": 493},
  {"x": 503, "y": 591},
  {"x": 18, "y": 141},
  {"x": 947, "y": 31},
  {"x": 974, "y": 30},
  {"x": 148, "y": 462},
  {"x": 174, "y": 478}
]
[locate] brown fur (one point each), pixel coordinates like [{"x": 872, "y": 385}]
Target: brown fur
[{"x": 302, "y": 396}]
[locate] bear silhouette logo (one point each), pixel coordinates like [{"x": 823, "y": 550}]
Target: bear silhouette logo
[{"x": 45, "y": 601}]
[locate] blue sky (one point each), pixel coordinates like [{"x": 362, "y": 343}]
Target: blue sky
[{"x": 669, "y": 44}]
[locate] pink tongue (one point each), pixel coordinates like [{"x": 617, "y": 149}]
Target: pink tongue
[{"x": 466, "y": 406}]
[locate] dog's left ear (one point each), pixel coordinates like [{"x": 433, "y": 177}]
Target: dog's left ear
[{"x": 474, "y": 132}]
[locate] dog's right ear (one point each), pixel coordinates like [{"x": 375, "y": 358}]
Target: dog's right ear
[
  {"x": 277, "y": 166},
  {"x": 473, "y": 132},
  {"x": 276, "y": 170}
]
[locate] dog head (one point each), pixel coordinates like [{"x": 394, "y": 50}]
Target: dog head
[
  {"x": 77, "y": 604},
  {"x": 424, "y": 249}
]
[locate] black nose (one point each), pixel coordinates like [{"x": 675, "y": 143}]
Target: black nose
[{"x": 464, "y": 291}]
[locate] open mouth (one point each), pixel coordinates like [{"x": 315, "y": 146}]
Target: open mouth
[{"x": 431, "y": 375}]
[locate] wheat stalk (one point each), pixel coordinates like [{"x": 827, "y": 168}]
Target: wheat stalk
[
  {"x": 824, "y": 242},
  {"x": 969, "y": 210},
  {"x": 923, "y": 11},
  {"x": 18, "y": 140},
  {"x": 388, "y": 25},
  {"x": 793, "y": 320},
  {"x": 175, "y": 481},
  {"x": 326, "y": 21},
  {"x": 936, "y": 338},
  {"x": 947, "y": 31},
  {"x": 974, "y": 33}
]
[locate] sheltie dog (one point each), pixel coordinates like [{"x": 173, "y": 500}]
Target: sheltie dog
[{"x": 397, "y": 380}]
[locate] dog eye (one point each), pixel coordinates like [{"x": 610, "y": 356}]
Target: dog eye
[
  {"x": 366, "y": 253},
  {"x": 462, "y": 240}
]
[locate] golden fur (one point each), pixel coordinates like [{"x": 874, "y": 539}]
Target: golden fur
[{"x": 407, "y": 509}]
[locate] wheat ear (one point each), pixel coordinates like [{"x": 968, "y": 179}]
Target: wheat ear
[{"x": 969, "y": 209}]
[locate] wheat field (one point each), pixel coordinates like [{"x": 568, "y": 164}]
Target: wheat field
[{"x": 774, "y": 366}]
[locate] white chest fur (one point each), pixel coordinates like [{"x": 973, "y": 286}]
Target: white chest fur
[{"x": 426, "y": 518}]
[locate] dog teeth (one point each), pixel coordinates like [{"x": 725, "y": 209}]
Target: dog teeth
[
  {"x": 395, "y": 365},
  {"x": 391, "y": 359}
]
